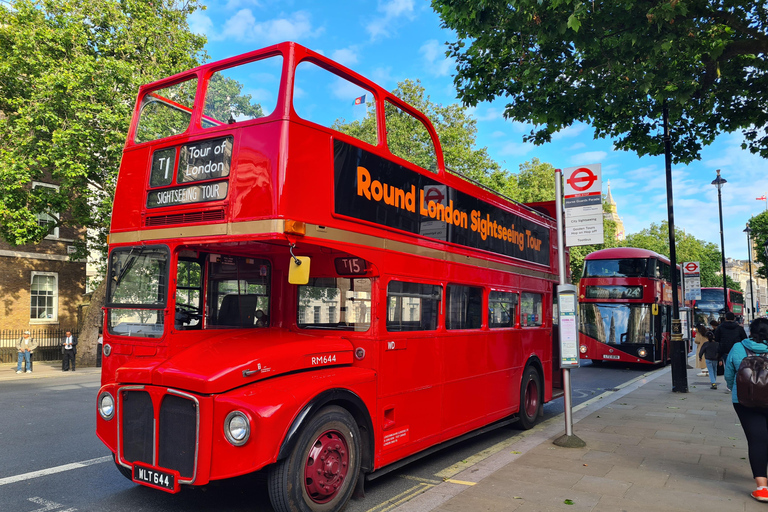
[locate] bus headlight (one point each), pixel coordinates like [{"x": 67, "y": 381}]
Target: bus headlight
[
  {"x": 642, "y": 352},
  {"x": 583, "y": 349},
  {"x": 106, "y": 406},
  {"x": 237, "y": 428}
]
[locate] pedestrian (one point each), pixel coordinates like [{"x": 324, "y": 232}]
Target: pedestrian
[
  {"x": 25, "y": 346},
  {"x": 727, "y": 334},
  {"x": 99, "y": 348},
  {"x": 753, "y": 420},
  {"x": 699, "y": 340},
  {"x": 68, "y": 351},
  {"x": 709, "y": 351},
  {"x": 714, "y": 324}
]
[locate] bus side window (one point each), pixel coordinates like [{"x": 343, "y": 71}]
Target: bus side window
[
  {"x": 501, "y": 309},
  {"x": 408, "y": 138},
  {"x": 464, "y": 307},
  {"x": 412, "y": 306},
  {"x": 531, "y": 305},
  {"x": 334, "y": 102}
]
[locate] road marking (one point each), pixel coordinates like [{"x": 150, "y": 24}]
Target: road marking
[
  {"x": 401, "y": 498},
  {"x": 419, "y": 479},
  {"x": 461, "y": 482},
  {"x": 48, "y": 505},
  {"x": 54, "y": 470}
]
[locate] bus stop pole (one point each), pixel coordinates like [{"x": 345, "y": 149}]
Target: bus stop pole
[{"x": 569, "y": 440}]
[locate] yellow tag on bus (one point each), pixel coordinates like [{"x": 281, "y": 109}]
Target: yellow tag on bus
[{"x": 299, "y": 273}]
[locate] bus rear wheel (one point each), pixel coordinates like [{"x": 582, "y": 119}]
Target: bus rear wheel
[
  {"x": 530, "y": 398},
  {"x": 321, "y": 471}
]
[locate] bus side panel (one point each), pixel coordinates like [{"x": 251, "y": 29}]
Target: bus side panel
[
  {"x": 466, "y": 399},
  {"x": 410, "y": 395},
  {"x": 272, "y": 406}
]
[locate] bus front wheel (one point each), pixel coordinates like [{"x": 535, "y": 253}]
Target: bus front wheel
[
  {"x": 321, "y": 471},
  {"x": 530, "y": 398}
]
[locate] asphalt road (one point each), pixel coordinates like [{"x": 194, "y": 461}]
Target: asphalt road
[{"x": 52, "y": 461}]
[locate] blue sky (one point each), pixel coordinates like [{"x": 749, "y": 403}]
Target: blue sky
[{"x": 392, "y": 40}]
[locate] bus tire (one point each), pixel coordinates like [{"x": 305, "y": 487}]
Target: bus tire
[
  {"x": 320, "y": 472},
  {"x": 530, "y": 398}
]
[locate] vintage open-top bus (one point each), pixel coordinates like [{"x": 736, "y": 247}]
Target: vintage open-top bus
[{"x": 324, "y": 305}]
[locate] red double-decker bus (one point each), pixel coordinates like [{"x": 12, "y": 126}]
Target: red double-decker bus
[
  {"x": 625, "y": 306},
  {"x": 712, "y": 305},
  {"x": 286, "y": 296}
]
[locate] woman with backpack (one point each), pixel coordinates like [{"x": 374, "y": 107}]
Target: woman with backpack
[{"x": 754, "y": 420}]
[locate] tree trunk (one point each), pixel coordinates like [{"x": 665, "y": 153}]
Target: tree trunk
[{"x": 89, "y": 331}]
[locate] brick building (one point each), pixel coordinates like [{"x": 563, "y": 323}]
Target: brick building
[{"x": 40, "y": 288}]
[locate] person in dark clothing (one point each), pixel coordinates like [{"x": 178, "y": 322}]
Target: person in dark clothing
[
  {"x": 708, "y": 350},
  {"x": 727, "y": 334}
]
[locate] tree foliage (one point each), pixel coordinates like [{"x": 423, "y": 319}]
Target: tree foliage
[
  {"x": 613, "y": 64},
  {"x": 687, "y": 247},
  {"x": 69, "y": 74},
  {"x": 759, "y": 226}
]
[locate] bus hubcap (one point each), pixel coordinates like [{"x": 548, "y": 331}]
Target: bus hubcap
[
  {"x": 326, "y": 467},
  {"x": 531, "y": 399}
]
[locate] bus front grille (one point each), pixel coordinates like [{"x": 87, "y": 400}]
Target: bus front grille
[{"x": 176, "y": 435}]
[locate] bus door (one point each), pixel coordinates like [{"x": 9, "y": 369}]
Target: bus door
[
  {"x": 410, "y": 390},
  {"x": 468, "y": 390}
]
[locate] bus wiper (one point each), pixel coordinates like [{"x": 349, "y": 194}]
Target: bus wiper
[{"x": 128, "y": 265}]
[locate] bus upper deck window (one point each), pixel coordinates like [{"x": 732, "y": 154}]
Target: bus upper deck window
[
  {"x": 242, "y": 93},
  {"x": 166, "y": 112},
  {"x": 408, "y": 138},
  {"x": 334, "y": 102}
]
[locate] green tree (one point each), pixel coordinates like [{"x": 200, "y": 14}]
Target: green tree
[
  {"x": 759, "y": 226},
  {"x": 688, "y": 248},
  {"x": 614, "y": 64},
  {"x": 69, "y": 74}
]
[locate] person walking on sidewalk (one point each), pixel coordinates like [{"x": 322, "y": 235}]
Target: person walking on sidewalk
[
  {"x": 709, "y": 351},
  {"x": 25, "y": 346},
  {"x": 68, "y": 351},
  {"x": 699, "y": 340},
  {"x": 727, "y": 334},
  {"x": 753, "y": 420}
]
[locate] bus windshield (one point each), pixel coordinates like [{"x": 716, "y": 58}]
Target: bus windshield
[
  {"x": 634, "y": 267},
  {"x": 711, "y": 300},
  {"x": 617, "y": 324},
  {"x": 137, "y": 290}
]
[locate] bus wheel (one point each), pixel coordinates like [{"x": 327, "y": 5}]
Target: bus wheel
[
  {"x": 321, "y": 471},
  {"x": 530, "y": 398}
]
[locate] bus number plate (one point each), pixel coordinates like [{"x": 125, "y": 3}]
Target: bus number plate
[
  {"x": 155, "y": 478},
  {"x": 606, "y": 356}
]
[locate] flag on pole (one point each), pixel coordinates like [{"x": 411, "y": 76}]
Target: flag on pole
[
  {"x": 761, "y": 198},
  {"x": 361, "y": 100}
]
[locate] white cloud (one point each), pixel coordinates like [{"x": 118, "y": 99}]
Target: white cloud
[
  {"x": 244, "y": 27},
  {"x": 590, "y": 157},
  {"x": 392, "y": 11},
  {"x": 346, "y": 56},
  {"x": 434, "y": 57},
  {"x": 516, "y": 148},
  {"x": 497, "y": 134},
  {"x": 569, "y": 131},
  {"x": 578, "y": 145},
  {"x": 199, "y": 23},
  {"x": 491, "y": 114}
]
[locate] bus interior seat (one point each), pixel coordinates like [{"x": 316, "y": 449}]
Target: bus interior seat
[{"x": 233, "y": 316}]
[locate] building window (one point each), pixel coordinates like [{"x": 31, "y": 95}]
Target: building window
[
  {"x": 48, "y": 219},
  {"x": 44, "y": 297}
]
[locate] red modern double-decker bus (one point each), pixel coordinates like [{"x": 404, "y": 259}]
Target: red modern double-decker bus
[
  {"x": 284, "y": 295},
  {"x": 625, "y": 306},
  {"x": 712, "y": 305}
]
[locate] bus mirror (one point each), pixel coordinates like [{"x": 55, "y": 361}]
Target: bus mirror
[
  {"x": 298, "y": 273},
  {"x": 654, "y": 309}
]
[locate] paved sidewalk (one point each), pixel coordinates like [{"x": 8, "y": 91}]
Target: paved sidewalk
[
  {"x": 41, "y": 370},
  {"x": 648, "y": 449}
]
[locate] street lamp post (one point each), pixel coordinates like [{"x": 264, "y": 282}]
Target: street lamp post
[
  {"x": 748, "y": 231},
  {"x": 719, "y": 182}
]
